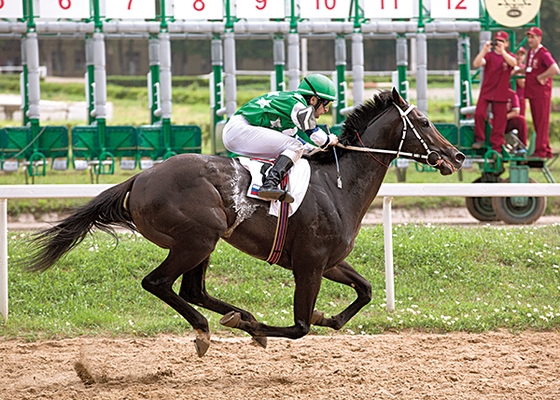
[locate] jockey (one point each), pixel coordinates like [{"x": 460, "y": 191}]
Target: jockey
[{"x": 267, "y": 127}]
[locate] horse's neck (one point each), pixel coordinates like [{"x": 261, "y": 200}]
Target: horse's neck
[{"x": 362, "y": 175}]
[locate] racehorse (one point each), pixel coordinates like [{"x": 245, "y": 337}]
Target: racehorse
[{"x": 189, "y": 202}]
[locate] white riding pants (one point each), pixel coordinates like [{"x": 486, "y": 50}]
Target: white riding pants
[{"x": 256, "y": 141}]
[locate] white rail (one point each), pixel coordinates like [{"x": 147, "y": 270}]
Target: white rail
[{"x": 387, "y": 191}]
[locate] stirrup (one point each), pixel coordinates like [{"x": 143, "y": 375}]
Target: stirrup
[{"x": 275, "y": 194}]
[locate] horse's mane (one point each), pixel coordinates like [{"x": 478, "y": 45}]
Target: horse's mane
[{"x": 356, "y": 121}]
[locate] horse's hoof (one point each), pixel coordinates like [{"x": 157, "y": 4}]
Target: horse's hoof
[
  {"x": 201, "y": 344},
  {"x": 231, "y": 319},
  {"x": 317, "y": 316},
  {"x": 261, "y": 341}
]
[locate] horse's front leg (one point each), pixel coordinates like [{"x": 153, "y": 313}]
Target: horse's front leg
[
  {"x": 345, "y": 274},
  {"x": 193, "y": 290},
  {"x": 307, "y": 285}
]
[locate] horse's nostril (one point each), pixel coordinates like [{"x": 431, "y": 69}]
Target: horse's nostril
[{"x": 460, "y": 157}]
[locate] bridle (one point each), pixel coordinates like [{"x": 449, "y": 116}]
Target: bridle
[{"x": 406, "y": 124}]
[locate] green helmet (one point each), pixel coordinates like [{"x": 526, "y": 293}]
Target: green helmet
[{"x": 317, "y": 85}]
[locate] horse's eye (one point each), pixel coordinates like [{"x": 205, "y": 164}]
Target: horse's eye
[{"x": 425, "y": 123}]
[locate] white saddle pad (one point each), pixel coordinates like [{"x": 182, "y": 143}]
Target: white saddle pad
[{"x": 298, "y": 182}]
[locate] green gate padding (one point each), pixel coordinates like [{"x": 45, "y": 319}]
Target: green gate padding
[
  {"x": 120, "y": 142},
  {"x": 449, "y": 131},
  {"x": 152, "y": 143},
  {"x": 14, "y": 143},
  {"x": 50, "y": 142},
  {"x": 53, "y": 144},
  {"x": 85, "y": 143},
  {"x": 186, "y": 139},
  {"x": 467, "y": 136}
]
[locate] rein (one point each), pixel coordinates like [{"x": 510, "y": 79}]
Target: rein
[{"x": 406, "y": 123}]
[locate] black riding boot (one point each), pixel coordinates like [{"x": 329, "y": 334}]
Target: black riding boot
[{"x": 269, "y": 189}]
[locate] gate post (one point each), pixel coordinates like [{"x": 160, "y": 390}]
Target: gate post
[
  {"x": 293, "y": 51},
  {"x": 358, "y": 68},
  {"x": 422, "y": 73},
  {"x": 24, "y": 82},
  {"x": 90, "y": 80},
  {"x": 229, "y": 73},
  {"x": 217, "y": 110},
  {"x": 99, "y": 111},
  {"x": 154, "y": 89},
  {"x": 463, "y": 57},
  {"x": 279, "y": 53},
  {"x": 165, "y": 89},
  {"x": 100, "y": 87},
  {"x": 340, "y": 65},
  {"x": 402, "y": 64}
]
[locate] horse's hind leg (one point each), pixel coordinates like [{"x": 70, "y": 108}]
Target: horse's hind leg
[
  {"x": 307, "y": 285},
  {"x": 193, "y": 290},
  {"x": 345, "y": 274},
  {"x": 160, "y": 281}
]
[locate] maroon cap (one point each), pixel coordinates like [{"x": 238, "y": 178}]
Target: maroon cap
[
  {"x": 534, "y": 31},
  {"x": 501, "y": 35},
  {"x": 521, "y": 50}
]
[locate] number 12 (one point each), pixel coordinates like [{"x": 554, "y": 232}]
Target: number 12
[{"x": 459, "y": 5}]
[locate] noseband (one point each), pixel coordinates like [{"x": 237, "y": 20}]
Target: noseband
[{"x": 406, "y": 123}]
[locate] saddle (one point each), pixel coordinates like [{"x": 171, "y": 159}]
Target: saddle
[{"x": 298, "y": 181}]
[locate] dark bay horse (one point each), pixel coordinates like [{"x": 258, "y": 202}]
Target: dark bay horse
[{"x": 189, "y": 202}]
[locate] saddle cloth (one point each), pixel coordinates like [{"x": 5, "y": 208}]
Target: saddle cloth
[{"x": 298, "y": 182}]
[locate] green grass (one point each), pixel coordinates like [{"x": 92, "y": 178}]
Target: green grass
[{"x": 446, "y": 279}]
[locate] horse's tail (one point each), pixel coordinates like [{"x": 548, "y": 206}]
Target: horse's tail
[{"x": 102, "y": 212}]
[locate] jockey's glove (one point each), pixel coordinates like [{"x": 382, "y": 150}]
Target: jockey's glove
[{"x": 321, "y": 138}]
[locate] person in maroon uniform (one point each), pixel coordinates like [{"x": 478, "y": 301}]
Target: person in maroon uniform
[
  {"x": 498, "y": 65},
  {"x": 520, "y": 55},
  {"x": 514, "y": 118},
  {"x": 539, "y": 71}
]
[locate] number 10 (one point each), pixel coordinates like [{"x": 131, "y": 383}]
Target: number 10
[{"x": 329, "y": 7}]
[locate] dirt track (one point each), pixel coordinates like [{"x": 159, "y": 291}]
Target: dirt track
[{"x": 389, "y": 366}]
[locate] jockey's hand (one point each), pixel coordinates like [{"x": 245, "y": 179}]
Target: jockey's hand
[{"x": 333, "y": 140}]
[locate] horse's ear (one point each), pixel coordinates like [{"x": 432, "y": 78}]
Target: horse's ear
[{"x": 397, "y": 99}]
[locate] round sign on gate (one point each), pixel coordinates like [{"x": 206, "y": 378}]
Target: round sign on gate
[{"x": 513, "y": 13}]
